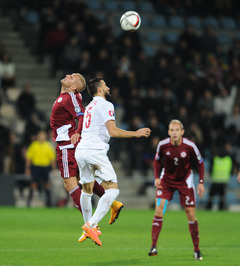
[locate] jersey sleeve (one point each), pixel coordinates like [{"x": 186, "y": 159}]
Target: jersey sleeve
[
  {"x": 157, "y": 163},
  {"x": 108, "y": 111},
  {"x": 200, "y": 163},
  {"x": 80, "y": 115},
  {"x": 80, "y": 124},
  {"x": 74, "y": 106},
  {"x": 201, "y": 172},
  {"x": 196, "y": 153}
]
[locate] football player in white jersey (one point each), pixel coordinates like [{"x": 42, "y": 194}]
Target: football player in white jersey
[{"x": 91, "y": 154}]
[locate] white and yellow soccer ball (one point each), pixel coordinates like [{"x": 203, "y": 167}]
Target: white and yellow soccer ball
[{"x": 130, "y": 21}]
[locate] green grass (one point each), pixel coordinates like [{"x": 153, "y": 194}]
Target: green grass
[{"x": 49, "y": 237}]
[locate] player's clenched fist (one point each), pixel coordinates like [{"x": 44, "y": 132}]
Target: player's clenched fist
[{"x": 143, "y": 132}]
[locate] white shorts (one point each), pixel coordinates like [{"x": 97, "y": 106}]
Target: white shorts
[{"x": 94, "y": 165}]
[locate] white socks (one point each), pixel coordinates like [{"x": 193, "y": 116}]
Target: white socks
[
  {"x": 86, "y": 205},
  {"x": 103, "y": 206}
]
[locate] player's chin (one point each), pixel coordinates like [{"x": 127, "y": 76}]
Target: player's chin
[{"x": 108, "y": 96}]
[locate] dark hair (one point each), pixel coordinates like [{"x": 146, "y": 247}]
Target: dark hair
[{"x": 93, "y": 85}]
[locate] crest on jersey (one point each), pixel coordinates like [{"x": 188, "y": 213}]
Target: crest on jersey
[
  {"x": 183, "y": 154},
  {"x": 159, "y": 192},
  {"x": 59, "y": 100},
  {"x": 168, "y": 153}
]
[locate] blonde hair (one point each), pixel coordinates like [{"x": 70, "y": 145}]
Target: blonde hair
[
  {"x": 82, "y": 79},
  {"x": 176, "y": 121}
]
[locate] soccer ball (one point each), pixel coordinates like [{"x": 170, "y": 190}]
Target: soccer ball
[{"x": 130, "y": 21}]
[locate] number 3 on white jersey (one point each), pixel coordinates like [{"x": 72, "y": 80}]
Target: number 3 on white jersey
[{"x": 88, "y": 118}]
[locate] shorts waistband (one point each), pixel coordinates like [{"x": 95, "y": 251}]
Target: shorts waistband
[{"x": 69, "y": 146}]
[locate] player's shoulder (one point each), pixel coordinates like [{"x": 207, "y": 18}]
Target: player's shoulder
[
  {"x": 109, "y": 104},
  {"x": 73, "y": 96},
  {"x": 188, "y": 142},
  {"x": 63, "y": 98},
  {"x": 74, "y": 100},
  {"x": 69, "y": 96},
  {"x": 163, "y": 143},
  {"x": 105, "y": 104}
]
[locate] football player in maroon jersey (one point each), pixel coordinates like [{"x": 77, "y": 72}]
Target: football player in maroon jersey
[
  {"x": 173, "y": 171},
  {"x": 66, "y": 110}
]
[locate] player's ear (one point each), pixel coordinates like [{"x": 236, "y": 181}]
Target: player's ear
[
  {"x": 183, "y": 131},
  {"x": 99, "y": 89}
]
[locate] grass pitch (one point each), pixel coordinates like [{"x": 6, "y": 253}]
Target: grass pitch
[{"x": 49, "y": 237}]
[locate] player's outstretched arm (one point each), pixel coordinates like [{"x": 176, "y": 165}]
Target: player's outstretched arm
[{"x": 116, "y": 132}]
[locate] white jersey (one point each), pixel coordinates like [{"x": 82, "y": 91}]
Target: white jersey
[{"x": 94, "y": 133}]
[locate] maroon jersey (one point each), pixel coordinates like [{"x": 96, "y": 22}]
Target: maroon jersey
[
  {"x": 66, "y": 109},
  {"x": 177, "y": 161}
]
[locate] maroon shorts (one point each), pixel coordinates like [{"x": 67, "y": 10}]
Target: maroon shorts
[
  {"x": 186, "y": 194},
  {"x": 67, "y": 163}
]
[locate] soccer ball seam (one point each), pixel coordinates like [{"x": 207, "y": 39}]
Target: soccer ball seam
[
  {"x": 126, "y": 17},
  {"x": 127, "y": 21}
]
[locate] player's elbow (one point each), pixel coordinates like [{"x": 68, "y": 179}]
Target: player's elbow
[
  {"x": 112, "y": 129},
  {"x": 112, "y": 133}
]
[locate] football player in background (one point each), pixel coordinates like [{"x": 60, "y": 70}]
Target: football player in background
[
  {"x": 66, "y": 110},
  {"x": 173, "y": 171}
]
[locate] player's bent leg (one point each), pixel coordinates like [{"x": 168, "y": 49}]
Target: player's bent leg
[
  {"x": 116, "y": 206},
  {"x": 103, "y": 206},
  {"x": 71, "y": 186}
]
